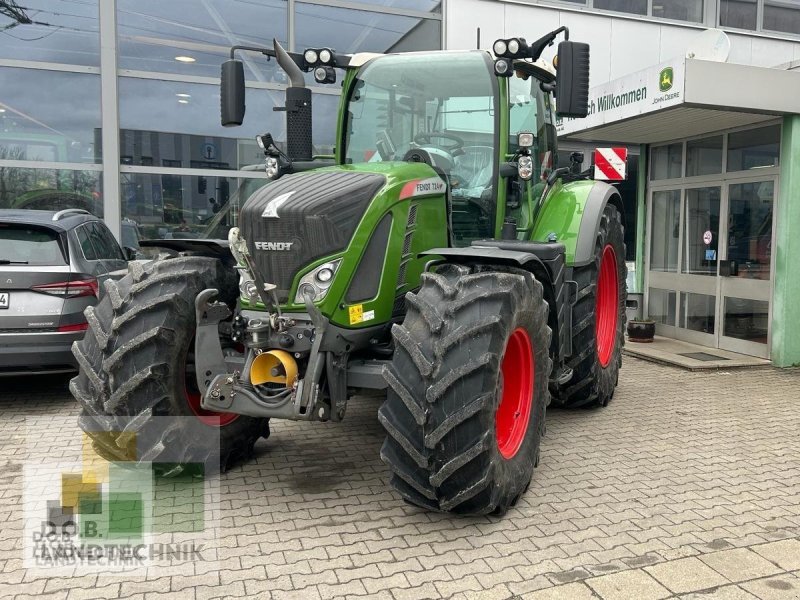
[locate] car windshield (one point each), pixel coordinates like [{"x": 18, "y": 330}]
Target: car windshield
[
  {"x": 444, "y": 101},
  {"x": 25, "y": 244}
]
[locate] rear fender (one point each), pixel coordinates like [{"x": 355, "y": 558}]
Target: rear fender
[{"x": 572, "y": 212}]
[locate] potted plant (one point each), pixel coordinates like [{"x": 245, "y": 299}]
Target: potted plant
[{"x": 641, "y": 330}]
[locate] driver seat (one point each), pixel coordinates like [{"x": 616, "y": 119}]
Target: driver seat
[{"x": 473, "y": 168}]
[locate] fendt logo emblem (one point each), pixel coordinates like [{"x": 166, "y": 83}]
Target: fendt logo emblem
[{"x": 280, "y": 246}]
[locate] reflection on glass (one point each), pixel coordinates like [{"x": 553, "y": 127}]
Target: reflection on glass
[
  {"x": 665, "y": 162},
  {"x": 49, "y": 189},
  {"x": 62, "y": 31},
  {"x": 746, "y": 319},
  {"x": 701, "y": 237},
  {"x": 750, "y": 228},
  {"x": 184, "y": 206},
  {"x": 698, "y": 312},
  {"x": 149, "y": 137},
  {"x": 680, "y": 10},
  {"x": 754, "y": 148},
  {"x": 36, "y": 126},
  {"x": 351, "y": 31},
  {"x": 704, "y": 157},
  {"x": 782, "y": 15},
  {"x": 153, "y": 33},
  {"x": 740, "y": 14},
  {"x": 661, "y": 306},
  {"x": 665, "y": 231},
  {"x": 636, "y": 7}
]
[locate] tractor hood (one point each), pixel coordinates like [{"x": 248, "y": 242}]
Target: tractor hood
[{"x": 303, "y": 217}]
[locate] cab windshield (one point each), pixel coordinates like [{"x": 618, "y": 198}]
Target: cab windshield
[{"x": 443, "y": 103}]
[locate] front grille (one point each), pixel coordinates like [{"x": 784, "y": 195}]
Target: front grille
[{"x": 317, "y": 219}]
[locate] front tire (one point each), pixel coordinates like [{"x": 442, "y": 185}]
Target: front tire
[
  {"x": 136, "y": 362},
  {"x": 598, "y": 319},
  {"x": 468, "y": 388}
]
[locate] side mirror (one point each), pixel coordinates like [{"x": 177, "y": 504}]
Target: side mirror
[
  {"x": 231, "y": 93},
  {"x": 572, "y": 81},
  {"x": 130, "y": 253}
]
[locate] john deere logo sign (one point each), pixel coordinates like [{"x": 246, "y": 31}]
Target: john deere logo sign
[{"x": 665, "y": 79}]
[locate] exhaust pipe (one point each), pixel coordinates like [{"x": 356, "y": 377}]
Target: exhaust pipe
[{"x": 298, "y": 108}]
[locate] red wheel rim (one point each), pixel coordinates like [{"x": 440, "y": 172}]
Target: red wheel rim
[
  {"x": 607, "y": 308},
  {"x": 514, "y": 413},
  {"x": 207, "y": 417}
]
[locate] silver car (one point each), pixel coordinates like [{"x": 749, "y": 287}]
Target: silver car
[{"x": 52, "y": 266}]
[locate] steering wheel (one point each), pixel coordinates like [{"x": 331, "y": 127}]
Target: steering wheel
[{"x": 425, "y": 138}]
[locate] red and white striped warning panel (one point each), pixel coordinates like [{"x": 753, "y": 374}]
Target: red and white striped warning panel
[{"x": 610, "y": 164}]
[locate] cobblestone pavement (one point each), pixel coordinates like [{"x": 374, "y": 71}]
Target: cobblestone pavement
[{"x": 687, "y": 485}]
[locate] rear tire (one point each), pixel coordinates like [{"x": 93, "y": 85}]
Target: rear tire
[
  {"x": 133, "y": 366},
  {"x": 468, "y": 387},
  {"x": 597, "y": 342}
]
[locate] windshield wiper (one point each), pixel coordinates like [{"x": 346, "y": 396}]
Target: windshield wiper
[{"x": 5, "y": 261}]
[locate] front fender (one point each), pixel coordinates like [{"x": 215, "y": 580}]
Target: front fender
[{"x": 572, "y": 212}]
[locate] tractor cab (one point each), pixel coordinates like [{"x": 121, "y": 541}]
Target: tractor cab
[{"x": 449, "y": 110}]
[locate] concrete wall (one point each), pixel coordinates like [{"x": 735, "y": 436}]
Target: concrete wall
[{"x": 619, "y": 45}]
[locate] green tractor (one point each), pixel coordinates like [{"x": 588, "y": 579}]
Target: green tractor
[{"x": 438, "y": 255}]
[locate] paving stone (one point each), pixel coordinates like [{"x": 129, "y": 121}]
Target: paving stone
[
  {"x": 785, "y": 553},
  {"x": 780, "y": 587},
  {"x": 634, "y": 584},
  {"x": 570, "y": 591},
  {"x": 740, "y": 564},
  {"x": 728, "y": 592},
  {"x": 686, "y": 575}
]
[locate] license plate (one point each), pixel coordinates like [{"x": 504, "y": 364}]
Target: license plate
[{"x": 5, "y": 298}]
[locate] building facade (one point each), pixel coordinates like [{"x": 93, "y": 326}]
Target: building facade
[{"x": 113, "y": 105}]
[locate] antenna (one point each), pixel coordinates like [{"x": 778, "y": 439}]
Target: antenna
[
  {"x": 712, "y": 44},
  {"x": 478, "y": 47}
]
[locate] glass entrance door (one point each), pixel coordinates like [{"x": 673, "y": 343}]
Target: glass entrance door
[{"x": 745, "y": 267}]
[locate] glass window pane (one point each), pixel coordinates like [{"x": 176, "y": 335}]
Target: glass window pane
[
  {"x": 193, "y": 38},
  {"x": 661, "y": 306},
  {"x": 48, "y": 189},
  {"x": 184, "y": 206},
  {"x": 665, "y": 231},
  {"x": 740, "y": 14},
  {"x": 704, "y": 157},
  {"x": 431, "y": 6},
  {"x": 680, "y": 10},
  {"x": 782, "y": 15},
  {"x": 698, "y": 312},
  {"x": 30, "y": 244},
  {"x": 62, "y": 31},
  {"x": 84, "y": 237},
  {"x": 107, "y": 247},
  {"x": 351, "y": 31},
  {"x": 636, "y": 7},
  {"x": 35, "y": 126},
  {"x": 746, "y": 319},
  {"x": 665, "y": 162},
  {"x": 750, "y": 228},
  {"x": 754, "y": 148},
  {"x": 149, "y": 137},
  {"x": 701, "y": 231}
]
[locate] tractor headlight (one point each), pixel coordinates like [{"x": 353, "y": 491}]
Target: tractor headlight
[
  {"x": 325, "y": 56},
  {"x": 310, "y": 56},
  {"x": 317, "y": 282},
  {"x": 500, "y": 47},
  {"x": 324, "y": 75},
  {"x": 273, "y": 169},
  {"x": 503, "y": 67},
  {"x": 513, "y": 46},
  {"x": 525, "y": 139},
  {"x": 525, "y": 167}
]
